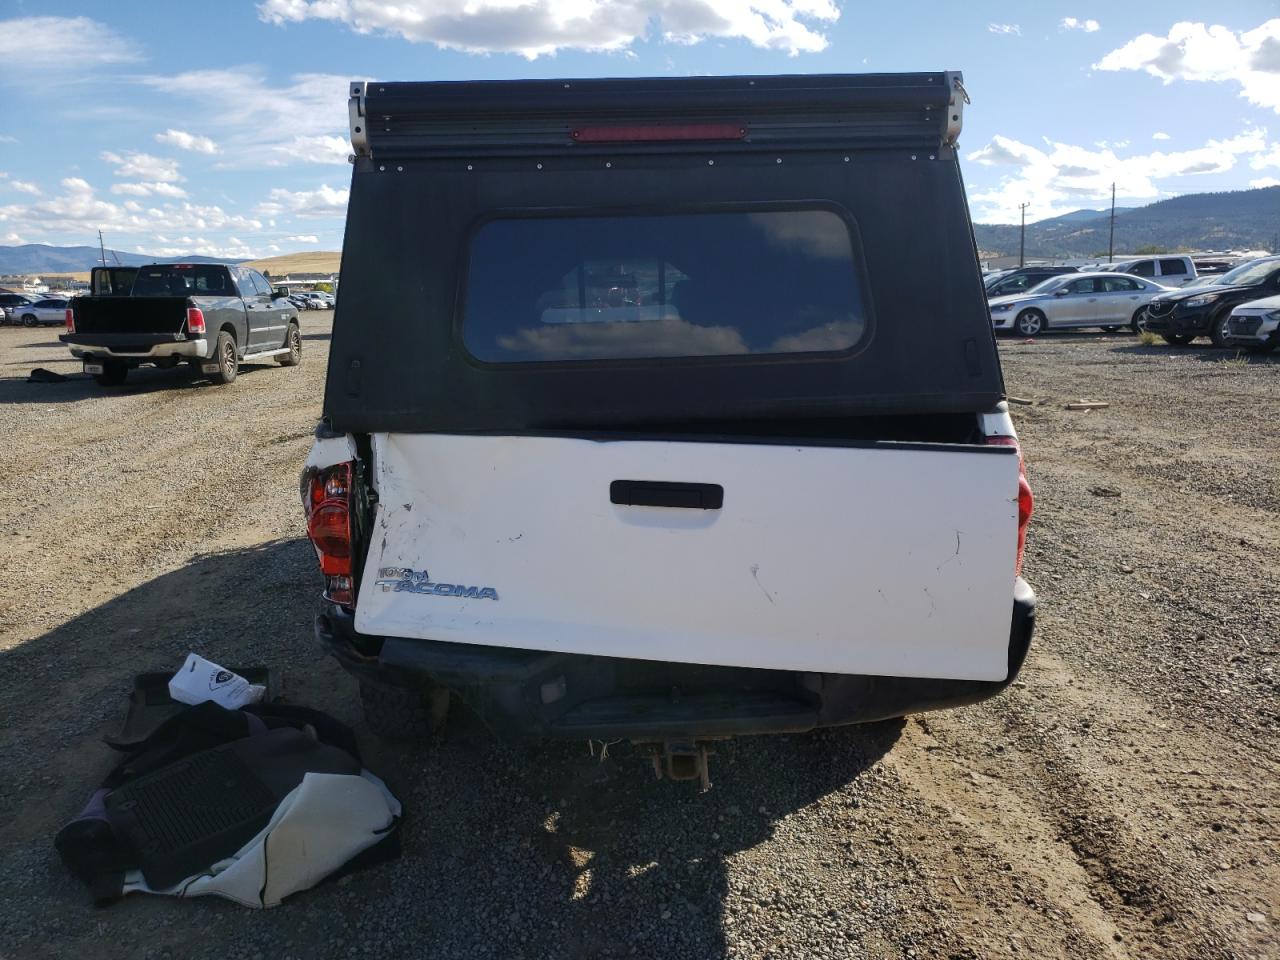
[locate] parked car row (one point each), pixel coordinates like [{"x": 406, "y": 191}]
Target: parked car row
[
  {"x": 1162, "y": 294},
  {"x": 311, "y": 300},
  {"x": 19, "y": 308},
  {"x": 1231, "y": 310}
]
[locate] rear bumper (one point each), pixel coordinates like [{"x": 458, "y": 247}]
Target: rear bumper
[
  {"x": 134, "y": 346},
  {"x": 529, "y": 693}
]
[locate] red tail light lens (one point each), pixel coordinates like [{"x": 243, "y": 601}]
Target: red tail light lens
[
  {"x": 71, "y": 321},
  {"x": 195, "y": 321},
  {"x": 327, "y": 501},
  {"x": 1026, "y": 502},
  {"x": 660, "y": 133}
]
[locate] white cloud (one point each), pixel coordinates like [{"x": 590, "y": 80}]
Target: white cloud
[
  {"x": 187, "y": 141},
  {"x": 5, "y": 138},
  {"x": 1160, "y": 135},
  {"x": 303, "y": 238},
  {"x": 79, "y": 212},
  {"x": 1265, "y": 182},
  {"x": 302, "y": 121},
  {"x": 534, "y": 28},
  {"x": 143, "y": 166},
  {"x": 325, "y": 201},
  {"x": 58, "y": 45},
  {"x": 1073, "y": 23},
  {"x": 1208, "y": 54},
  {"x": 22, "y": 186},
  {"x": 1271, "y": 158},
  {"x": 1064, "y": 176},
  {"x": 318, "y": 149},
  {"x": 1007, "y": 29},
  {"x": 155, "y": 188}
]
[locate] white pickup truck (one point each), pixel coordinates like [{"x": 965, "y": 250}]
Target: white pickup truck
[{"x": 673, "y": 440}]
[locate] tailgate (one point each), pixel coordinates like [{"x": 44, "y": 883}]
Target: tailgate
[
  {"x": 895, "y": 559},
  {"x": 130, "y": 314}
]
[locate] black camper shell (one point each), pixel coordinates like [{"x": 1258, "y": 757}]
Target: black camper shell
[{"x": 451, "y": 179}]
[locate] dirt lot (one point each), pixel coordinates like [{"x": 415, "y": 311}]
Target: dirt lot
[{"x": 1121, "y": 800}]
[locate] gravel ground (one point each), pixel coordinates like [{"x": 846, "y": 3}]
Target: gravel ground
[{"x": 1120, "y": 800}]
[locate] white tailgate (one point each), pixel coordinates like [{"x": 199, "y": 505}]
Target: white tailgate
[{"x": 891, "y": 561}]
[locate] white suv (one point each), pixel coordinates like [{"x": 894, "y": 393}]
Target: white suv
[{"x": 1172, "y": 271}]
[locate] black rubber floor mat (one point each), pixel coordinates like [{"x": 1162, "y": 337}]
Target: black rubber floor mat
[{"x": 184, "y": 818}]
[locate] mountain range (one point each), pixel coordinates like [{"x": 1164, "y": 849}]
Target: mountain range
[
  {"x": 1234, "y": 220},
  {"x": 40, "y": 258}
]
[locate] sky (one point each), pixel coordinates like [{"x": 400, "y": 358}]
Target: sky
[{"x": 220, "y": 128}]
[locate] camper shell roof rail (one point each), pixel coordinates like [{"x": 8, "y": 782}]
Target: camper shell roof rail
[{"x": 530, "y": 117}]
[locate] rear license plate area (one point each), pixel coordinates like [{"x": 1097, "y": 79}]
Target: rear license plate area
[{"x": 93, "y": 368}]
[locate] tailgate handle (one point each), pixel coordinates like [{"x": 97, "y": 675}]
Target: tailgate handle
[{"x": 656, "y": 493}]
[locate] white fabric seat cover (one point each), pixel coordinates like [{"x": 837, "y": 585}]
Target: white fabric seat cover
[{"x": 324, "y": 822}]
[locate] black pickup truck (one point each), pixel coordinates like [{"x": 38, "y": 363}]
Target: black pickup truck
[{"x": 213, "y": 316}]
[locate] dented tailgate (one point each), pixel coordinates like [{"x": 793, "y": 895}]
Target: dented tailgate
[{"x": 893, "y": 559}]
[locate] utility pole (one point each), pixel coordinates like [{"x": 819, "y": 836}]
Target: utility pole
[
  {"x": 102, "y": 249},
  {"x": 1111, "y": 243},
  {"x": 1022, "y": 235}
]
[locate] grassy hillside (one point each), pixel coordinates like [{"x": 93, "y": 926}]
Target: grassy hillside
[
  {"x": 312, "y": 261},
  {"x": 1236, "y": 220}
]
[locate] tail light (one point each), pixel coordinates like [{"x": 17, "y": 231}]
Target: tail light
[
  {"x": 195, "y": 321},
  {"x": 660, "y": 132},
  {"x": 1026, "y": 502},
  {"x": 71, "y": 321},
  {"x": 326, "y": 497}
]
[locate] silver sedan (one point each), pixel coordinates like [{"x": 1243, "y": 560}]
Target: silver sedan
[
  {"x": 1106, "y": 300},
  {"x": 50, "y": 311}
]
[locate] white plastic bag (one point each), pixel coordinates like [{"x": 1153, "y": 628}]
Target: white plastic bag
[{"x": 200, "y": 680}]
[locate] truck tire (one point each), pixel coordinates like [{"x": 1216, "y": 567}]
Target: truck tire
[
  {"x": 292, "y": 340},
  {"x": 114, "y": 373},
  {"x": 224, "y": 354},
  {"x": 1177, "y": 339},
  {"x": 399, "y": 713}
]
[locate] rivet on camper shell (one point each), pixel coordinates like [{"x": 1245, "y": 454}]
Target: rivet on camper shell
[
  {"x": 566, "y": 86},
  {"x": 711, "y": 163},
  {"x": 469, "y": 167},
  {"x": 381, "y": 167},
  {"x": 607, "y": 164},
  {"x": 846, "y": 159},
  {"x": 913, "y": 156},
  {"x": 401, "y": 169},
  {"x": 382, "y": 89},
  {"x": 779, "y": 160},
  {"x": 539, "y": 166}
]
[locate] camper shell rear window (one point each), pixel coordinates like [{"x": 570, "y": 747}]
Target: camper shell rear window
[{"x": 564, "y": 287}]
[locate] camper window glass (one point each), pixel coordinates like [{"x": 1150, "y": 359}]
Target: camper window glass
[{"x": 563, "y": 288}]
